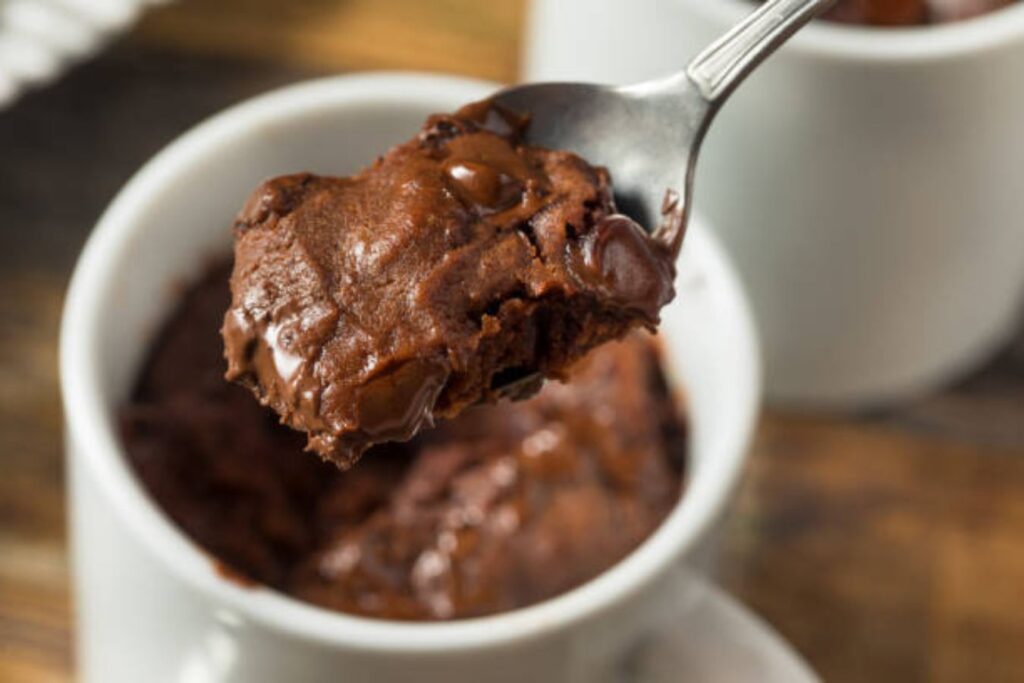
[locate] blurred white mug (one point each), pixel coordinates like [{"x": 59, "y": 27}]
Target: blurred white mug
[{"x": 869, "y": 182}]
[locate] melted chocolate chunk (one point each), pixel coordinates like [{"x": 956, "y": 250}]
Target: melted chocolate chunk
[
  {"x": 620, "y": 259},
  {"x": 497, "y": 509},
  {"x": 487, "y": 188},
  {"x": 364, "y": 308}
]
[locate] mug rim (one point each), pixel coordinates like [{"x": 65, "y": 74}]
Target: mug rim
[
  {"x": 871, "y": 44},
  {"x": 90, "y": 426}
]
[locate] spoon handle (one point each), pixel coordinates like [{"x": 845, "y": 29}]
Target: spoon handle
[{"x": 724, "y": 64}]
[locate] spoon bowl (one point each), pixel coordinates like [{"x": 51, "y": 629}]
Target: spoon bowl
[
  {"x": 648, "y": 135},
  {"x": 643, "y": 134}
]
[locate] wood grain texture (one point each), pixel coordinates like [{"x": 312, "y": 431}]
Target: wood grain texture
[
  {"x": 887, "y": 547},
  {"x": 472, "y": 37},
  {"x": 884, "y": 553},
  {"x": 34, "y": 607}
]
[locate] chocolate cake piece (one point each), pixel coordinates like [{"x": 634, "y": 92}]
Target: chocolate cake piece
[{"x": 461, "y": 261}]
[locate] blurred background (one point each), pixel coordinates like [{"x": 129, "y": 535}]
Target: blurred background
[{"x": 884, "y": 546}]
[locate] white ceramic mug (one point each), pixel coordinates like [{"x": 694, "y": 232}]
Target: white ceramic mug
[
  {"x": 150, "y": 606},
  {"x": 868, "y": 182}
]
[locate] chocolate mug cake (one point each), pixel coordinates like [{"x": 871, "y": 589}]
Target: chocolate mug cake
[{"x": 499, "y": 508}]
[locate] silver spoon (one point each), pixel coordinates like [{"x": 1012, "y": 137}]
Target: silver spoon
[{"x": 649, "y": 134}]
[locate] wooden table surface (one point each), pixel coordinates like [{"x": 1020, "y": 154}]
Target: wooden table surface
[{"x": 886, "y": 547}]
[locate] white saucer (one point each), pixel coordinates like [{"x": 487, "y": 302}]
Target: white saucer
[{"x": 715, "y": 640}]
